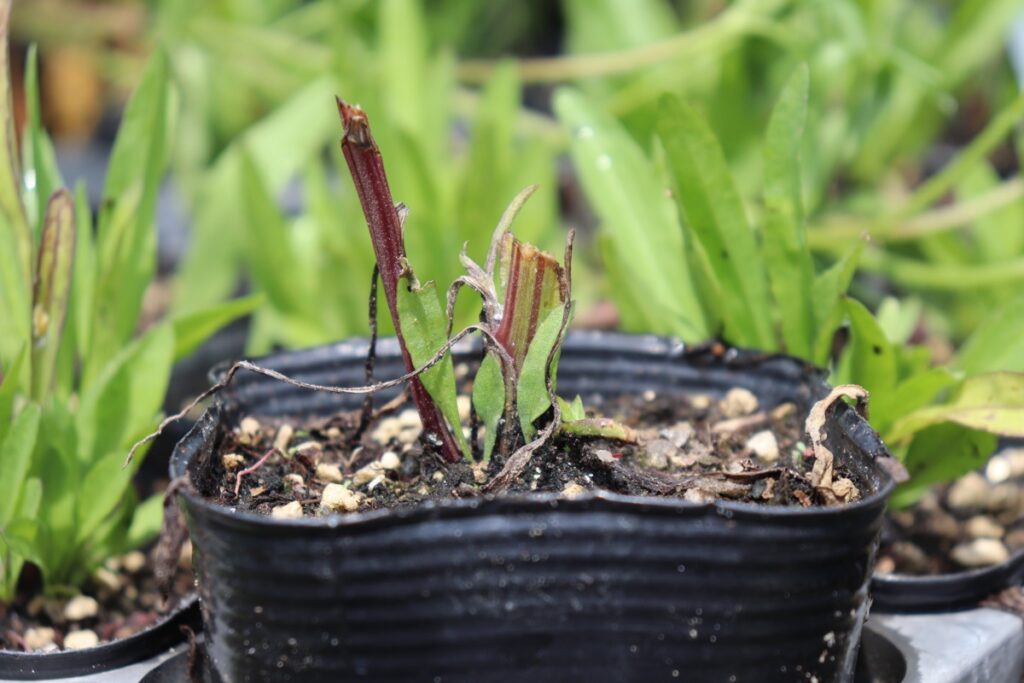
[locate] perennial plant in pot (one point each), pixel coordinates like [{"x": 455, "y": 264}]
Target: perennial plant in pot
[{"x": 426, "y": 506}]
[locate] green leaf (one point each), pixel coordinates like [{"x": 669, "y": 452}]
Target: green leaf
[
  {"x": 967, "y": 160},
  {"x": 39, "y": 161},
  {"x": 637, "y": 217},
  {"x": 279, "y": 145},
  {"x": 124, "y": 401},
  {"x": 870, "y": 360},
  {"x": 9, "y": 385},
  {"x": 915, "y": 392},
  {"x": 574, "y": 411},
  {"x": 992, "y": 402},
  {"x": 55, "y": 270},
  {"x": 787, "y": 258},
  {"x": 15, "y": 233},
  {"x": 424, "y": 328},
  {"x": 829, "y": 311},
  {"x": 101, "y": 492},
  {"x": 489, "y": 400},
  {"x": 715, "y": 214},
  {"x": 939, "y": 453},
  {"x": 126, "y": 239},
  {"x": 17, "y": 451},
  {"x": 192, "y": 329},
  {"x": 532, "y": 394},
  {"x": 270, "y": 257},
  {"x": 146, "y": 521},
  {"x": 997, "y": 343},
  {"x": 898, "y": 318}
]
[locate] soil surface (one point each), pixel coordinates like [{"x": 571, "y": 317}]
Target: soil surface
[
  {"x": 120, "y": 599},
  {"x": 978, "y": 521},
  {"x": 694, "y": 448}
]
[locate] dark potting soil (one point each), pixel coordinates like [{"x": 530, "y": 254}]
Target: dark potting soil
[
  {"x": 978, "y": 521},
  {"x": 119, "y": 600},
  {"x": 693, "y": 448}
]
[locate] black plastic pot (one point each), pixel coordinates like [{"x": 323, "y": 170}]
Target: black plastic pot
[
  {"x": 533, "y": 587},
  {"x": 945, "y": 592},
  {"x": 158, "y": 638}
]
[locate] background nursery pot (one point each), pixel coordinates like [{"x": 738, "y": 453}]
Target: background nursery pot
[
  {"x": 148, "y": 643},
  {"x": 534, "y": 587},
  {"x": 944, "y": 592}
]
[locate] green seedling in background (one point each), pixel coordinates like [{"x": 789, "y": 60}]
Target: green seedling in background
[
  {"x": 757, "y": 284},
  {"x": 78, "y": 382}
]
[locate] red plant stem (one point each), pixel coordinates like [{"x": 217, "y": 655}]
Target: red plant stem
[
  {"x": 367, "y": 169},
  {"x": 250, "y": 470}
]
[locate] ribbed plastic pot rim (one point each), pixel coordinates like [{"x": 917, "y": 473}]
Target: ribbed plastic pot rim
[{"x": 105, "y": 656}]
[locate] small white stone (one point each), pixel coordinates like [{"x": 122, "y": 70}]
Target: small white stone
[
  {"x": 604, "y": 456},
  {"x": 39, "y": 638},
  {"x": 310, "y": 449},
  {"x": 970, "y": 492},
  {"x": 249, "y": 431},
  {"x": 738, "y": 402},
  {"x": 479, "y": 472},
  {"x": 981, "y": 552},
  {"x": 983, "y": 527},
  {"x": 107, "y": 580},
  {"x": 337, "y": 498},
  {"x": 283, "y": 438},
  {"x": 294, "y": 482},
  {"x": 388, "y": 429},
  {"x": 390, "y": 461},
  {"x": 329, "y": 473},
  {"x": 700, "y": 401},
  {"x": 409, "y": 419},
  {"x": 133, "y": 562},
  {"x": 81, "y": 607},
  {"x": 764, "y": 446},
  {"x": 699, "y": 496},
  {"x": 232, "y": 461},
  {"x": 574, "y": 490},
  {"x": 79, "y": 640},
  {"x": 292, "y": 510}
]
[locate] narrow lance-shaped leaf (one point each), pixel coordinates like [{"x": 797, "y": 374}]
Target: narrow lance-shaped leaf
[
  {"x": 42, "y": 176},
  {"x": 714, "y": 212},
  {"x": 788, "y": 260},
  {"x": 367, "y": 169},
  {"x": 15, "y": 234},
  {"x": 424, "y": 330},
  {"x": 10, "y": 171},
  {"x": 54, "y": 270}
]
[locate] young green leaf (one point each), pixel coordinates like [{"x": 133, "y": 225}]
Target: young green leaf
[
  {"x": 942, "y": 452},
  {"x": 10, "y": 383},
  {"x": 915, "y": 392},
  {"x": 489, "y": 400},
  {"x": 192, "y": 329},
  {"x": 126, "y": 397},
  {"x": 39, "y": 161},
  {"x": 870, "y": 360},
  {"x": 14, "y": 228},
  {"x": 993, "y": 402},
  {"x": 997, "y": 343},
  {"x": 829, "y": 290},
  {"x": 424, "y": 329},
  {"x": 126, "y": 240},
  {"x": 532, "y": 397},
  {"x": 102, "y": 490},
  {"x": 17, "y": 451},
  {"x": 787, "y": 258},
  {"x": 714, "y": 212},
  {"x": 54, "y": 273},
  {"x": 636, "y": 216}
]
